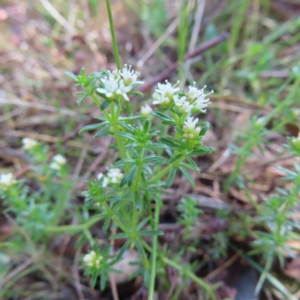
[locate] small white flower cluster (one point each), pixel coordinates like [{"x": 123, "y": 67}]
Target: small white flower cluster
[
  {"x": 190, "y": 130},
  {"x": 29, "y": 143},
  {"x": 146, "y": 110},
  {"x": 119, "y": 83},
  {"x": 57, "y": 162},
  {"x": 114, "y": 175},
  {"x": 194, "y": 99},
  {"x": 164, "y": 93},
  {"x": 92, "y": 259},
  {"x": 6, "y": 180}
]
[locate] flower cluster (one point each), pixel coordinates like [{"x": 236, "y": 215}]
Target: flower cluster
[
  {"x": 6, "y": 180},
  {"x": 190, "y": 130},
  {"x": 164, "y": 93},
  {"x": 182, "y": 104},
  {"x": 114, "y": 175},
  {"x": 119, "y": 83},
  {"x": 146, "y": 110},
  {"x": 28, "y": 143},
  {"x": 194, "y": 100},
  {"x": 92, "y": 259},
  {"x": 57, "y": 162}
]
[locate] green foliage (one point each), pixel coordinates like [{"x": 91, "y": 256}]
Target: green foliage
[{"x": 141, "y": 173}]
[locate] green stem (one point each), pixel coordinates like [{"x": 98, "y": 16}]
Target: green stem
[
  {"x": 59, "y": 229},
  {"x": 165, "y": 171},
  {"x": 191, "y": 275},
  {"x": 154, "y": 252},
  {"x": 113, "y": 35},
  {"x": 115, "y": 45},
  {"x": 116, "y": 219},
  {"x": 117, "y": 137},
  {"x": 208, "y": 288},
  {"x": 263, "y": 275}
]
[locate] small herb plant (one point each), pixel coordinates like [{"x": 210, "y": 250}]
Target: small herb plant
[{"x": 153, "y": 147}]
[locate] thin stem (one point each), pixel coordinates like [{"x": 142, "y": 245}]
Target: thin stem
[
  {"x": 154, "y": 252},
  {"x": 116, "y": 219},
  {"x": 87, "y": 225},
  {"x": 165, "y": 171},
  {"x": 208, "y": 288},
  {"x": 263, "y": 275},
  {"x": 191, "y": 275},
  {"x": 113, "y": 35},
  {"x": 115, "y": 45},
  {"x": 118, "y": 138}
]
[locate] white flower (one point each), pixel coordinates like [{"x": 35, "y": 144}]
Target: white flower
[
  {"x": 105, "y": 180},
  {"x": 200, "y": 102},
  {"x": 164, "y": 93},
  {"x": 189, "y": 129},
  {"x": 167, "y": 89},
  {"x": 92, "y": 259},
  {"x": 57, "y": 162},
  {"x": 6, "y": 180},
  {"x": 110, "y": 86},
  {"x": 130, "y": 76},
  {"x": 123, "y": 90},
  {"x": 146, "y": 110},
  {"x": 115, "y": 175},
  {"x": 193, "y": 92},
  {"x": 160, "y": 99},
  {"x": 182, "y": 104},
  {"x": 28, "y": 143}
]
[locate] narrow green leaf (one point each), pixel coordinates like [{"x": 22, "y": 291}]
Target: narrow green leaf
[
  {"x": 143, "y": 223},
  {"x": 102, "y": 282},
  {"x": 118, "y": 236},
  {"x": 171, "y": 177},
  {"x": 106, "y": 224},
  {"x": 162, "y": 117},
  {"x": 82, "y": 97},
  {"x": 102, "y": 131},
  {"x": 157, "y": 160},
  {"x": 202, "y": 151},
  {"x": 132, "y": 118},
  {"x": 123, "y": 181},
  {"x": 123, "y": 161},
  {"x": 122, "y": 250},
  {"x": 131, "y": 175},
  {"x": 188, "y": 176},
  {"x": 82, "y": 72},
  {"x": 73, "y": 76},
  {"x": 126, "y": 126},
  {"x": 167, "y": 142},
  {"x": 193, "y": 164},
  {"x": 150, "y": 233},
  {"x": 92, "y": 127},
  {"x": 127, "y": 136},
  {"x": 146, "y": 126},
  {"x": 101, "y": 118},
  {"x": 137, "y": 200},
  {"x": 147, "y": 169},
  {"x": 175, "y": 158},
  {"x": 203, "y": 130},
  {"x": 104, "y": 105},
  {"x": 179, "y": 130},
  {"x": 135, "y": 85},
  {"x": 94, "y": 279}
]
